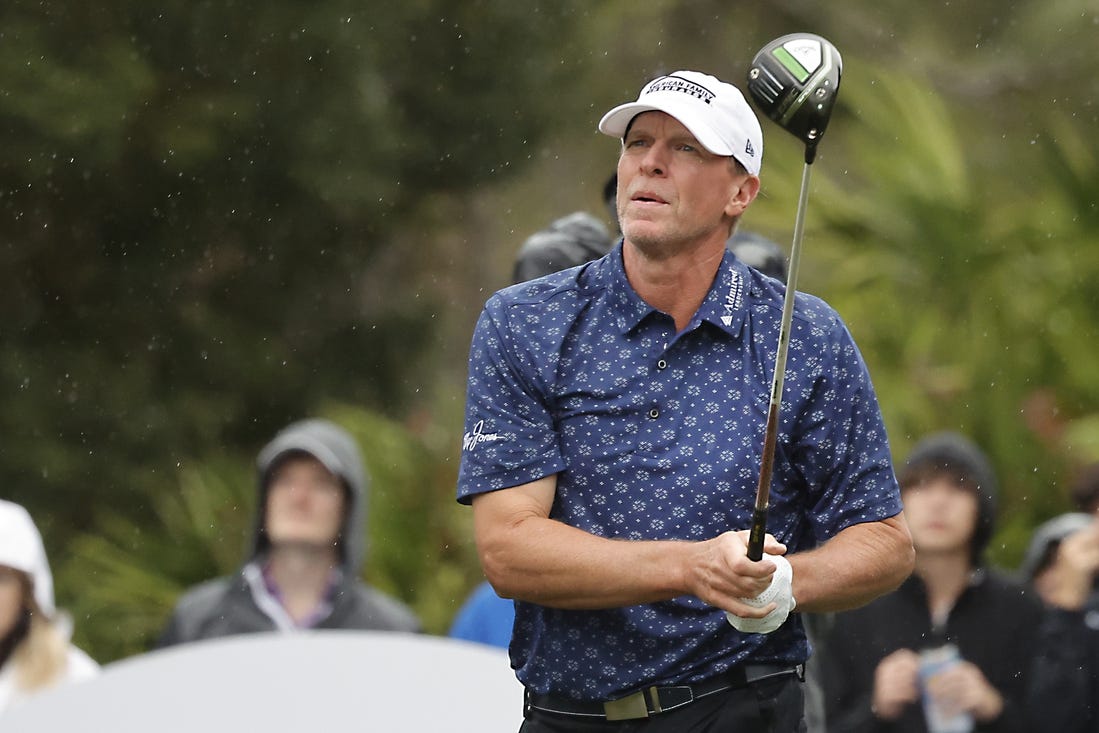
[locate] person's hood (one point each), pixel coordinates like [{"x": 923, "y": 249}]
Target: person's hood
[
  {"x": 756, "y": 250},
  {"x": 1047, "y": 537},
  {"x": 21, "y": 548},
  {"x": 567, "y": 242},
  {"x": 955, "y": 455},
  {"x": 337, "y": 450}
]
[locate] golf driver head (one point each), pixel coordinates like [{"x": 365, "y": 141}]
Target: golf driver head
[{"x": 794, "y": 81}]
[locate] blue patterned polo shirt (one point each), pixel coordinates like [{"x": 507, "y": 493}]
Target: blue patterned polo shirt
[{"x": 657, "y": 435}]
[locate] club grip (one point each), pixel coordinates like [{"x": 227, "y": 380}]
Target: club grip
[{"x": 757, "y": 533}]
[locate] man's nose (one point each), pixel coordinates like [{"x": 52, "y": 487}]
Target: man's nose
[{"x": 655, "y": 160}]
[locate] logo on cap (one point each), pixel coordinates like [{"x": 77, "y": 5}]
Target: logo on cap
[{"x": 679, "y": 84}]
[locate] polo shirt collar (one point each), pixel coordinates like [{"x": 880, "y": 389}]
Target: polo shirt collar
[{"x": 725, "y": 305}]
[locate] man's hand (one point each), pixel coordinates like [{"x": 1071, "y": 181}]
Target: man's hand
[
  {"x": 721, "y": 574},
  {"x": 963, "y": 688},
  {"x": 896, "y": 684},
  {"x": 778, "y": 595}
]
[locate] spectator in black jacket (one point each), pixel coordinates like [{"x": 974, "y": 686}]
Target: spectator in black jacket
[
  {"x": 302, "y": 571},
  {"x": 1062, "y": 562},
  {"x": 956, "y": 640}
]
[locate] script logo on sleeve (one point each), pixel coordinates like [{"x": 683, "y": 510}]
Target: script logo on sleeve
[{"x": 478, "y": 435}]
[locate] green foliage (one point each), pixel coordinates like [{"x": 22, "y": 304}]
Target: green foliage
[
  {"x": 124, "y": 578},
  {"x": 193, "y": 196},
  {"x": 969, "y": 305}
]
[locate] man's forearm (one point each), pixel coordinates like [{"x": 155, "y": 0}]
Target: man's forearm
[
  {"x": 528, "y": 556},
  {"x": 563, "y": 567},
  {"x": 856, "y": 566}
]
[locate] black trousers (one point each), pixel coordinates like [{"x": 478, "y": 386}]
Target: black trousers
[{"x": 768, "y": 706}]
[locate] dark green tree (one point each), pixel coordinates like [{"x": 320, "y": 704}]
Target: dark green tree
[{"x": 192, "y": 196}]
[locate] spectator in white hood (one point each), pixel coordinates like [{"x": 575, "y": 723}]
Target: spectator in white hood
[{"x": 35, "y": 653}]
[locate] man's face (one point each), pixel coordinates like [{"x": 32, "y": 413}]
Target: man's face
[
  {"x": 672, "y": 191},
  {"x": 11, "y": 599},
  {"x": 942, "y": 516},
  {"x": 305, "y": 503}
]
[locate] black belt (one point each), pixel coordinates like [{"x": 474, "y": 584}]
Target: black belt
[{"x": 660, "y": 699}]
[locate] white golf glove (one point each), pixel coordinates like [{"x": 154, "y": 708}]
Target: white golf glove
[{"x": 780, "y": 591}]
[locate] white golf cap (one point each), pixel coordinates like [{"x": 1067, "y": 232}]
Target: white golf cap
[{"x": 715, "y": 112}]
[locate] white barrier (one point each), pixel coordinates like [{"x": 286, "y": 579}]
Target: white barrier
[{"x": 317, "y": 680}]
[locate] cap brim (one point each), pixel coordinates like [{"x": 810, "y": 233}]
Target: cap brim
[{"x": 615, "y": 123}]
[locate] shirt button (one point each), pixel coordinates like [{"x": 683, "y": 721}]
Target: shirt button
[
  {"x": 661, "y": 364},
  {"x": 654, "y": 413}
]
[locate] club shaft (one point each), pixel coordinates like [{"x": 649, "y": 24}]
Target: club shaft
[{"x": 770, "y": 434}]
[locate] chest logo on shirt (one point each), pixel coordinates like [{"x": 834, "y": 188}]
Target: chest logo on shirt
[
  {"x": 732, "y": 299},
  {"x": 478, "y": 435}
]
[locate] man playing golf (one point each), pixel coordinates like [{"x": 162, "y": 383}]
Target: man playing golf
[{"x": 613, "y": 437}]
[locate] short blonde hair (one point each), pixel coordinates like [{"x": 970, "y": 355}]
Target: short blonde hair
[{"x": 39, "y": 660}]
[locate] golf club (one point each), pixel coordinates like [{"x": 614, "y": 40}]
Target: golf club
[{"x": 793, "y": 80}]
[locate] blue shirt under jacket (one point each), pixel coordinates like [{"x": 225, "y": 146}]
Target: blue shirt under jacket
[
  {"x": 657, "y": 435},
  {"x": 485, "y": 618}
]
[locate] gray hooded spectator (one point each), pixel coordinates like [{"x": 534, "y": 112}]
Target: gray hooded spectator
[
  {"x": 303, "y": 563},
  {"x": 35, "y": 653}
]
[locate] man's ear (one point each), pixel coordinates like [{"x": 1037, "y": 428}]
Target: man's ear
[{"x": 743, "y": 193}]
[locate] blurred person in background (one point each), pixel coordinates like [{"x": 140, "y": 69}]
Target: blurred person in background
[
  {"x": 759, "y": 252},
  {"x": 955, "y": 642},
  {"x": 302, "y": 567},
  {"x": 1062, "y": 563},
  {"x": 1085, "y": 489},
  {"x": 484, "y": 617},
  {"x": 35, "y": 652},
  {"x": 568, "y": 241}
]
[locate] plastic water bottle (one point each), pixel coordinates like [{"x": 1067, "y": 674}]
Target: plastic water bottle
[{"x": 932, "y": 662}]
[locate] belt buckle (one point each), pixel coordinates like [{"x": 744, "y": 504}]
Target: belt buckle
[
  {"x": 629, "y": 707},
  {"x": 646, "y": 702}
]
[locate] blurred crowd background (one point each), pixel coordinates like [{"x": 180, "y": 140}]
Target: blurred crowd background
[{"x": 219, "y": 217}]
